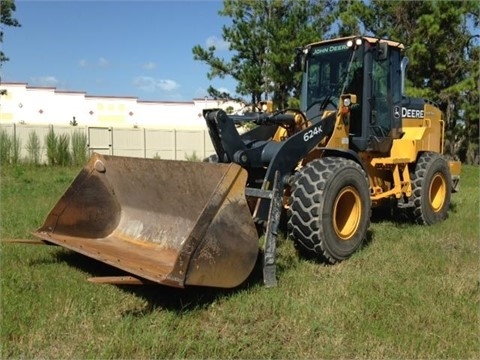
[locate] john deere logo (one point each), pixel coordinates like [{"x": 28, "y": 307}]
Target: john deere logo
[
  {"x": 396, "y": 112},
  {"x": 329, "y": 49}
]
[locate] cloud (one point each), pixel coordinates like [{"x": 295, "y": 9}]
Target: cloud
[
  {"x": 149, "y": 65},
  {"x": 200, "y": 93},
  {"x": 219, "y": 44},
  {"x": 224, "y": 90},
  {"x": 100, "y": 63},
  {"x": 149, "y": 84},
  {"x": 167, "y": 85},
  {"x": 49, "y": 81}
]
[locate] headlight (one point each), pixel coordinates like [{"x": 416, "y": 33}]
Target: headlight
[
  {"x": 347, "y": 102},
  {"x": 358, "y": 42}
]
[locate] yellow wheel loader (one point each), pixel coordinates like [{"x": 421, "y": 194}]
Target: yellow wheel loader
[{"x": 357, "y": 142}]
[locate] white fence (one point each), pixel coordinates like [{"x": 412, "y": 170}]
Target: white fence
[{"x": 136, "y": 142}]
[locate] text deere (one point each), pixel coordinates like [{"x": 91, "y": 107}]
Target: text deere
[{"x": 412, "y": 113}]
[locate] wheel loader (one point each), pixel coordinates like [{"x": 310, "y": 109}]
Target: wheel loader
[{"x": 357, "y": 142}]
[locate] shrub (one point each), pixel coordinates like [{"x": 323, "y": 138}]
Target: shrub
[
  {"x": 33, "y": 148},
  {"x": 79, "y": 148},
  {"x": 16, "y": 150},
  {"x": 5, "y": 147},
  {"x": 192, "y": 157},
  {"x": 51, "y": 141},
  {"x": 63, "y": 153}
]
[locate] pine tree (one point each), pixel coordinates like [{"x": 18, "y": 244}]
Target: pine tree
[{"x": 263, "y": 37}]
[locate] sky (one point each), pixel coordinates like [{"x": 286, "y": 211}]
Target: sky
[{"x": 139, "y": 49}]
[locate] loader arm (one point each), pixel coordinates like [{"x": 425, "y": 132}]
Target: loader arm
[{"x": 260, "y": 154}]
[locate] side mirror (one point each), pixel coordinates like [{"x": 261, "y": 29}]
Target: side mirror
[
  {"x": 382, "y": 51},
  {"x": 298, "y": 62}
]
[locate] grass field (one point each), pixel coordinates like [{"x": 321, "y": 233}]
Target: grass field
[{"x": 412, "y": 292}]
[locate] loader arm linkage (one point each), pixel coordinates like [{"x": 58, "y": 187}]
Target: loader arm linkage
[
  {"x": 255, "y": 150},
  {"x": 269, "y": 164}
]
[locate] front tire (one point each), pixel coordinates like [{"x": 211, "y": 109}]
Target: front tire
[
  {"x": 432, "y": 188},
  {"x": 330, "y": 209}
]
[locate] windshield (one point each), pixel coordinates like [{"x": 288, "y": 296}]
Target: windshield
[{"x": 330, "y": 68}]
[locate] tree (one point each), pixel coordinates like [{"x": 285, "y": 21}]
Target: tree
[
  {"x": 292, "y": 24},
  {"x": 350, "y": 14},
  {"x": 443, "y": 53},
  {"x": 7, "y": 9},
  {"x": 263, "y": 37},
  {"x": 443, "y": 50}
]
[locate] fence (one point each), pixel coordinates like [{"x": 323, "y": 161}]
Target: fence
[{"x": 167, "y": 144}]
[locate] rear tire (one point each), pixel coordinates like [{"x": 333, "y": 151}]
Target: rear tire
[
  {"x": 330, "y": 209},
  {"x": 432, "y": 188}
]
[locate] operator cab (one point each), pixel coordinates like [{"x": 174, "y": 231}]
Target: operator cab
[{"x": 369, "y": 68}]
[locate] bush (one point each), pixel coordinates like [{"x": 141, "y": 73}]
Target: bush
[
  {"x": 10, "y": 148},
  {"x": 5, "y": 147},
  {"x": 16, "y": 150},
  {"x": 33, "y": 148},
  {"x": 51, "y": 141},
  {"x": 63, "y": 153},
  {"x": 79, "y": 148},
  {"x": 192, "y": 157}
]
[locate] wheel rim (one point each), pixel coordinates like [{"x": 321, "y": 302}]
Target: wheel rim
[
  {"x": 347, "y": 212},
  {"x": 437, "y": 192}
]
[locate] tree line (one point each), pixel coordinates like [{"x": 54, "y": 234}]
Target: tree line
[{"x": 441, "y": 38}]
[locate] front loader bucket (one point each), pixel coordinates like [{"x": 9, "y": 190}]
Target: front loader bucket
[{"x": 172, "y": 222}]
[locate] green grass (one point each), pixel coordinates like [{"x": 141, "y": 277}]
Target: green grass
[{"x": 412, "y": 292}]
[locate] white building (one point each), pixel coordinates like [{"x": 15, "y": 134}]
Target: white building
[{"x": 32, "y": 105}]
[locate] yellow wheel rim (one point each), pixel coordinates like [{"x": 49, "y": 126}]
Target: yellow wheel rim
[
  {"x": 437, "y": 192},
  {"x": 347, "y": 212}
]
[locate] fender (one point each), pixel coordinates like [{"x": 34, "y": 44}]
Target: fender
[{"x": 347, "y": 154}]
